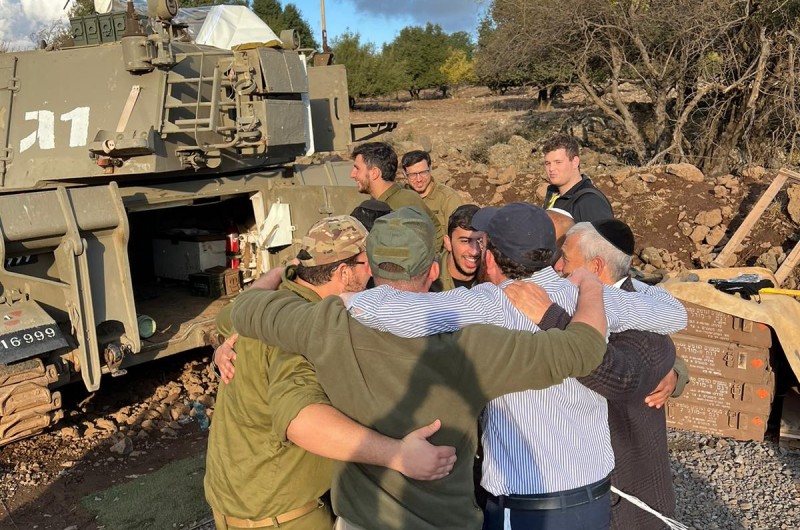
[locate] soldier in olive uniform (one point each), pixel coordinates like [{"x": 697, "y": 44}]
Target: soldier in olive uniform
[
  {"x": 255, "y": 476},
  {"x": 463, "y": 249},
  {"x": 375, "y": 170},
  {"x": 442, "y": 200}
]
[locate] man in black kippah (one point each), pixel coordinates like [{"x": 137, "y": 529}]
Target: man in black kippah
[
  {"x": 547, "y": 454},
  {"x": 635, "y": 363}
]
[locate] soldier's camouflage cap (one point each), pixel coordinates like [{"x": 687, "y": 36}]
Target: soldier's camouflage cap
[
  {"x": 332, "y": 239},
  {"x": 406, "y": 238}
]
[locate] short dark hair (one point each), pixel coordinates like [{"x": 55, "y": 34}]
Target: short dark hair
[
  {"x": 415, "y": 157},
  {"x": 461, "y": 218},
  {"x": 511, "y": 269},
  {"x": 562, "y": 141},
  {"x": 379, "y": 155},
  {"x": 321, "y": 274}
]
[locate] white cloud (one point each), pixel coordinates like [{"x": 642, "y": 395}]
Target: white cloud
[
  {"x": 19, "y": 19},
  {"x": 452, "y": 15}
]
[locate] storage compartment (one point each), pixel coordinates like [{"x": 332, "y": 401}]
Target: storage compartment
[{"x": 180, "y": 254}]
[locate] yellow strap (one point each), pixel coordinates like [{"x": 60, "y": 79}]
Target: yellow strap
[
  {"x": 771, "y": 290},
  {"x": 277, "y": 520}
]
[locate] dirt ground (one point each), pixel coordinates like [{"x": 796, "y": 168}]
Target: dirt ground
[{"x": 44, "y": 482}]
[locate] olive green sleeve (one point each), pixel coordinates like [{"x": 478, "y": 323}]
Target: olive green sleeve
[
  {"x": 255, "y": 314},
  {"x": 293, "y": 385},
  {"x": 451, "y": 202},
  {"x": 224, "y": 323},
  {"x": 682, "y": 369},
  {"x": 511, "y": 361}
]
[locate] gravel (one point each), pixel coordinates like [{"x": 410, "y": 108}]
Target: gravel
[{"x": 726, "y": 484}]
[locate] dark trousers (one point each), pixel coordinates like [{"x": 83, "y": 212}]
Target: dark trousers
[{"x": 594, "y": 515}]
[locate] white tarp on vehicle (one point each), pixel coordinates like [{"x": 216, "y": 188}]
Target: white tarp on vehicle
[
  {"x": 219, "y": 26},
  {"x": 229, "y": 26}
]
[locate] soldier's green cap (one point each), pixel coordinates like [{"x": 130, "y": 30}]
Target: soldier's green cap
[
  {"x": 405, "y": 238},
  {"x": 332, "y": 239}
]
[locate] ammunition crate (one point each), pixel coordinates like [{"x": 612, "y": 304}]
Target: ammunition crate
[
  {"x": 724, "y": 360},
  {"x": 97, "y": 29},
  {"x": 718, "y": 421},
  {"x": 724, "y": 393},
  {"x": 214, "y": 282},
  {"x": 716, "y": 325}
]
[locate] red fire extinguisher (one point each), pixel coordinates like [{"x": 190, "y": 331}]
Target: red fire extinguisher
[{"x": 232, "y": 247}]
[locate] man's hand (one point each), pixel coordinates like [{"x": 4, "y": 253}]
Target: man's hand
[
  {"x": 420, "y": 460},
  {"x": 665, "y": 388},
  {"x": 582, "y": 275},
  {"x": 590, "y": 309},
  {"x": 224, "y": 356},
  {"x": 529, "y": 299}
]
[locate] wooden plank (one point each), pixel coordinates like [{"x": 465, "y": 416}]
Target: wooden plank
[
  {"x": 752, "y": 218},
  {"x": 788, "y": 265}
]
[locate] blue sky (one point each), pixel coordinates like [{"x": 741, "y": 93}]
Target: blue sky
[{"x": 377, "y": 21}]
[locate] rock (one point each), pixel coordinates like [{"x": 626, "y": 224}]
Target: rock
[
  {"x": 70, "y": 433},
  {"x": 476, "y": 182},
  {"x": 496, "y": 199},
  {"x": 715, "y": 235},
  {"x": 687, "y": 172},
  {"x": 503, "y": 177},
  {"x": 106, "y": 425},
  {"x": 171, "y": 397},
  {"x": 768, "y": 260},
  {"x": 166, "y": 431},
  {"x": 650, "y": 255},
  {"x": 794, "y": 203},
  {"x": 148, "y": 425},
  {"x": 481, "y": 169},
  {"x": 754, "y": 172},
  {"x": 710, "y": 218},
  {"x": 699, "y": 233},
  {"x": 443, "y": 176},
  {"x": 648, "y": 177},
  {"x": 618, "y": 177},
  {"x": 685, "y": 228},
  {"x": 720, "y": 192},
  {"x": 122, "y": 447},
  {"x": 207, "y": 401},
  {"x": 634, "y": 186}
]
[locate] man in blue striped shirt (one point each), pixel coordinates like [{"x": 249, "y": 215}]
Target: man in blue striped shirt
[{"x": 544, "y": 448}]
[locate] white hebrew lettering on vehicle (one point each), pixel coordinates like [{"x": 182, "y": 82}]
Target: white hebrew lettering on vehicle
[{"x": 45, "y": 133}]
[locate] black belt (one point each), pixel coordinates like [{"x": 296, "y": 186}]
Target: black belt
[{"x": 555, "y": 501}]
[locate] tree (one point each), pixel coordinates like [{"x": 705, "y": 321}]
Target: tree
[
  {"x": 423, "y": 52},
  {"x": 458, "y": 69},
  {"x": 280, "y": 18},
  {"x": 292, "y": 19},
  {"x": 369, "y": 74},
  {"x": 719, "y": 75},
  {"x": 461, "y": 40}
]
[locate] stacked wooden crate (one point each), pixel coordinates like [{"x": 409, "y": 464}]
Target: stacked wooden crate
[{"x": 731, "y": 382}]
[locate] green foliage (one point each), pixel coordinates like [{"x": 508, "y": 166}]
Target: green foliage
[
  {"x": 369, "y": 74},
  {"x": 458, "y": 69},
  {"x": 289, "y": 17},
  {"x": 461, "y": 40},
  {"x": 423, "y": 52}
]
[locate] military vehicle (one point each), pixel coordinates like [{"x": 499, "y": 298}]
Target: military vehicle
[{"x": 143, "y": 181}]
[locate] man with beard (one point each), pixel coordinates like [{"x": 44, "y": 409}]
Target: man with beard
[
  {"x": 463, "y": 248},
  {"x": 389, "y": 383},
  {"x": 547, "y": 453},
  {"x": 255, "y": 477},
  {"x": 375, "y": 170},
  {"x": 636, "y": 361}
]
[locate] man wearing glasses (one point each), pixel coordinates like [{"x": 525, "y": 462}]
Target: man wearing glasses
[{"x": 442, "y": 200}]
